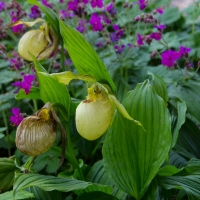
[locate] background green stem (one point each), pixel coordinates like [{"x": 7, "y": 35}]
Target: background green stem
[
  {"x": 62, "y": 56},
  {"x": 7, "y": 132}
]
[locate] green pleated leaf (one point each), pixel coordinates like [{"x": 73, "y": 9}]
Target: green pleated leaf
[
  {"x": 131, "y": 155},
  {"x": 34, "y": 94},
  {"x": 98, "y": 175},
  {"x": 50, "y": 89},
  {"x": 84, "y": 57},
  {"x": 188, "y": 142},
  {"x": 179, "y": 120},
  {"x": 47, "y": 195},
  {"x": 49, "y": 183},
  {"x": 22, "y": 195},
  {"x": 7, "y": 172},
  {"x": 51, "y": 17},
  {"x": 159, "y": 86},
  {"x": 96, "y": 196},
  {"x": 187, "y": 179}
]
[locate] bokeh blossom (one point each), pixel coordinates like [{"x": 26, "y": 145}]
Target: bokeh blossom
[
  {"x": 183, "y": 51},
  {"x": 82, "y": 26},
  {"x": 119, "y": 49},
  {"x": 139, "y": 40},
  {"x": 97, "y": 3},
  {"x": 95, "y": 21},
  {"x": 16, "y": 118},
  {"x": 35, "y": 12},
  {"x": 46, "y": 3},
  {"x": 160, "y": 27},
  {"x": 25, "y": 84},
  {"x": 116, "y": 36},
  {"x": 2, "y": 5},
  {"x": 169, "y": 58},
  {"x": 156, "y": 36},
  {"x": 142, "y": 4},
  {"x": 111, "y": 9}
]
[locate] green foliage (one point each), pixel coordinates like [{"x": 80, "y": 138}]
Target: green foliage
[{"x": 131, "y": 154}]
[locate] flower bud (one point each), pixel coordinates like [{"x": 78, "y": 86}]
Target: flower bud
[
  {"x": 40, "y": 43},
  {"x": 94, "y": 115},
  {"x": 36, "y": 133}
]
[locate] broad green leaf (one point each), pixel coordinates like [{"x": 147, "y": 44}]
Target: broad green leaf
[
  {"x": 50, "y": 89},
  {"x": 190, "y": 184},
  {"x": 96, "y": 196},
  {"x": 189, "y": 91},
  {"x": 48, "y": 183},
  {"x": 51, "y": 17},
  {"x": 84, "y": 57},
  {"x": 132, "y": 156},
  {"x": 98, "y": 175},
  {"x": 40, "y": 194},
  {"x": 177, "y": 160},
  {"x": 170, "y": 15},
  {"x": 159, "y": 86},
  {"x": 34, "y": 94},
  {"x": 1, "y": 135},
  {"x": 179, "y": 120},
  {"x": 188, "y": 142},
  {"x": 2, "y": 129},
  {"x": 186, "y": 178},
  {"x": 7, "y": 172},
  {"x": 22, "y": 195}
]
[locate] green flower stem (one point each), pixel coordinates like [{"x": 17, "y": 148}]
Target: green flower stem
[
  {"x": 73, "y": 159},
  {"x": 7, "y": 132},
  {"x": 62, "y": 56},
  {"x": 35, "y": 107}
]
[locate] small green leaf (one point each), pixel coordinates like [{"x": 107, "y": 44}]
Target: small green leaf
[
  {"x": 159, "y": 86},
  {"x": 34, "y": 94},
  {"x": 180, "y": 119},
  {"x": 132, "y": 157},
  {"x": 96, "y": 196},
  {"x": 7, "y": 172},
  {"x": 49, "y": 183},
  {"x": 22, "y": 195},
  {"x": 51, "y": 90},
  {"x": 84, "y": 57}
]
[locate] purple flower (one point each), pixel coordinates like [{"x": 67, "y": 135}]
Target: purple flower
[
  {"x": 17, "y": 28},
  {"x": 27, "y": 82},
  {"x": 160, "y": 10},
  {"x": 139, "y": 40},
  {"x": 156, "y": 36},
  {"x": 82, "y": 26},
  {"x": 115, "y": 27},
  {"x": 46, "y": 3},
  {"x": 116, "y": 36},
  {"x": 183, "y": 51},
  {"x": 160, "y": 27},
  {"x": 35, "y": 12},
  {"x": 66, "y": 14},
  {"x": 169, "y": 57},
  {"x": 16, "y": 118},
  {"x": 110, "y": 8},
  {"x": 97, "y": 3},
  {"x": 129, "y": 45},
  {"x": 73, "y": 5},
  {"x": 95, "y": 21},
  {"x": 142, "y": 4},
  {"x": 2, "y": 5},
  {"x": 15, "y": 63},
  {"x": 119, "y": 49}
]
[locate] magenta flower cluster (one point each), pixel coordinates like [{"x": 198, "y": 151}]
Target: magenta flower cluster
[{"x": 16, "y": 117}]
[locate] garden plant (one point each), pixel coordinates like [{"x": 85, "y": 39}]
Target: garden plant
[{"x": 99, "y": 100}]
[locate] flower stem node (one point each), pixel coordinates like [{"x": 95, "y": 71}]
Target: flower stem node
[
  {"x": 39, "y": 43},
  {"x": 37, "y": 133}
]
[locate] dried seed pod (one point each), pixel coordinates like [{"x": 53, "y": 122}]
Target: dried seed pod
[{"x": 36, "y": 133}]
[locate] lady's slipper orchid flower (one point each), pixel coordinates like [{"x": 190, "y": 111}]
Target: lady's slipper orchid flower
[{"x": 40, "y": 43}]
